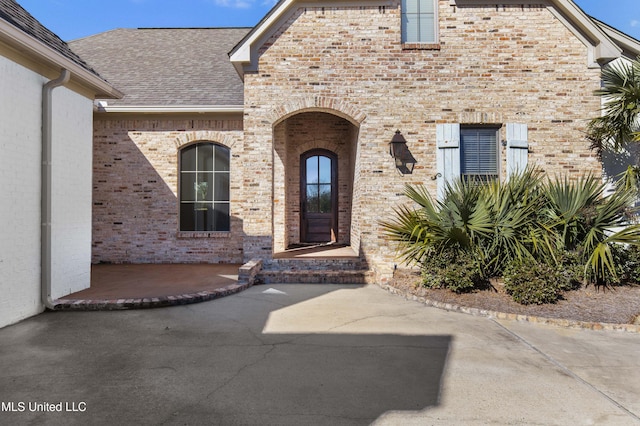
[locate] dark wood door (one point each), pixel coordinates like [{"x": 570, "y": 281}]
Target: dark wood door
[{"x": 319, "y": 196}]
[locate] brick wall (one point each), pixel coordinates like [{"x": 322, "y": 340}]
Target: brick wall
[
  {"x": 135, "y": 188},
  {"x": 493, "y": 65}
]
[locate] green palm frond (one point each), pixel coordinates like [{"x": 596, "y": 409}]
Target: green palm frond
[
  {"x": 618, "y": 124},
  {"x": 524, "y": 219}
]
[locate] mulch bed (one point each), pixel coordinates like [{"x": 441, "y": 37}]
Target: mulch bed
[{"x": 614, "y": 305}]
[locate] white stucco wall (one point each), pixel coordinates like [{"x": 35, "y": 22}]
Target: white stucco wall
[
  {"x": 20, "y": 170},
  {"x": 20, "y": 91},
  {"x": 71, "y": 188}
]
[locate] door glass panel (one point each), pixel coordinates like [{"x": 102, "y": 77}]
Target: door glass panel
[
  {"x": 312, "y": 170},
  {"x": 312, "y": 199},
  {"x": 324, "y": 198},
  {"x": 324, "y": 170}
]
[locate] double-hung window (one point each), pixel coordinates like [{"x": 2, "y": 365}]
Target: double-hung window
[
  {"x": 472, "y": 152},
  {"x": 419, "y": 21},
  {"x": 204, "y": 187},
  {"x": 479, "y": 154}
]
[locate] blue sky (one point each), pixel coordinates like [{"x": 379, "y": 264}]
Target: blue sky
[{"x": 71, "y": 19}]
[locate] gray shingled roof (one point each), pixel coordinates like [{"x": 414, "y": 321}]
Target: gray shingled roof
[
  {"x": 167, "y": 66},
  {"x": 14, "y": 14}
]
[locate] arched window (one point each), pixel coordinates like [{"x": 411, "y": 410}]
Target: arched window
[{"x": 204, "y": 187}]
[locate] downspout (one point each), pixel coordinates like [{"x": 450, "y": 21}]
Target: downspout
[{"x": 45, "y": 205}]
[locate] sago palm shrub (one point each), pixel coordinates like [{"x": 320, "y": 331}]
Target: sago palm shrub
[
  {"x": 582, "y": 219},
  {"x": 486, "y": 224},
  {"x": 516, "y": 233},
  {"x": 526, "y": 219}
]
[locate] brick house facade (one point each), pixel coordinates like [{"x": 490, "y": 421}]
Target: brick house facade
[{"x": 332, "y": 82}]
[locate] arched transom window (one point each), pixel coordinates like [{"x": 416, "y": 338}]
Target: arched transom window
[{"x": 204, "y": 187}]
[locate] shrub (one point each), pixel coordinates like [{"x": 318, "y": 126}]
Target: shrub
[
  {"x": 564, "y": 223},
  {"x": 632, "y": 264},
  {"x": 571, "y": 269},
  {"x": 627, "y": 261},
  {"x": 533, "y": 283},
  {"x": 457, "y": 272}
]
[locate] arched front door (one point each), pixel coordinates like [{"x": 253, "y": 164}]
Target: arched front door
[{"x": 318, "y": 196}]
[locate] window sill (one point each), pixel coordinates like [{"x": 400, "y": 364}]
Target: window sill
[
  {"x": 420, "y": 46},
  {"x": 203, "y": 234}
]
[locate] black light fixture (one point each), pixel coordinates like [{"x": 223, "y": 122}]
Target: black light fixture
[{"x": 399, "y": 150}]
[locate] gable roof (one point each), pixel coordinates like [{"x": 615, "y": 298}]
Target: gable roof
[
  {"x": 601, "y": 47},
  {"x": 629, "y": 45},
  {"x": 21, "y": 31},
  {"x": 168, "y": 69}
]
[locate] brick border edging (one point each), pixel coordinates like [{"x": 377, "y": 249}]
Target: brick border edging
[
  {"x": 246, "y": 278},
  {"x": 147, "y": 302},
  {"x": 631, "y": 328}
]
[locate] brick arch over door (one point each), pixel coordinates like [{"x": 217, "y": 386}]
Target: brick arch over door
[{"x": 334, "y": 106}]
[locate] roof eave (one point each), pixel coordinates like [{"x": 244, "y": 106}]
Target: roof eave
[
  {"x": 35, "y": 49},
  {"x": 242, "y": 55},
  {"x": 602, "y": 48},
  {"x": 104, "y": 107},
  {"x": 630, "y": 46}
]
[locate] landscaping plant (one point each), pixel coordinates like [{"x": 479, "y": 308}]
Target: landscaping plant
[{"x": 478, "y": 231}]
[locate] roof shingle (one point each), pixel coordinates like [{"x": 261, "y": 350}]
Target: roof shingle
[
  {"x": 17, "y": 16},
  {"x": 167, "y": 66}
]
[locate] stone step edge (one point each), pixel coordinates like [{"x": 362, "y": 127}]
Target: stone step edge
[{"x": 360, "y": 276}]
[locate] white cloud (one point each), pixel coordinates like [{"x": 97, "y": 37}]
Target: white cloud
[{"x": 635, "y": 23}]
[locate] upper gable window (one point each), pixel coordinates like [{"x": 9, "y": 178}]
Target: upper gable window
[{"x": 419, "y": 21}]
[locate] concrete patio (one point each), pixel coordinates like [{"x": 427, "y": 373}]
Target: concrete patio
[{"x": 313, "y": 355}]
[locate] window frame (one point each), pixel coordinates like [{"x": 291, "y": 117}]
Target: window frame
[
  {"x": 494, "y": 175},
  {"x": 209, "y": 204},
  {"x": 419, "y": 44}
]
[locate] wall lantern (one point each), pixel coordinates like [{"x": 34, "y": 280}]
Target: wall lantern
[{"x": 400, "y": 152}]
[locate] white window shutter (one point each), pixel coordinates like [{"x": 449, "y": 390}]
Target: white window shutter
[
  {"x": 517, "y": 148},
  {"x": 448, "y": 155}
]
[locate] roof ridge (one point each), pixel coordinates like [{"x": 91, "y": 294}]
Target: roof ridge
[{"x": 193, "y": 28}]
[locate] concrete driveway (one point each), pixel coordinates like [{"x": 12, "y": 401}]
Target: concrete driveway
[{"x": 312, "y": 355}]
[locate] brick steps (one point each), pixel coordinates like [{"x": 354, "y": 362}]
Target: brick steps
[
  {"x": 339, "y": 270},
  {"x": 302, "y": 276}
]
